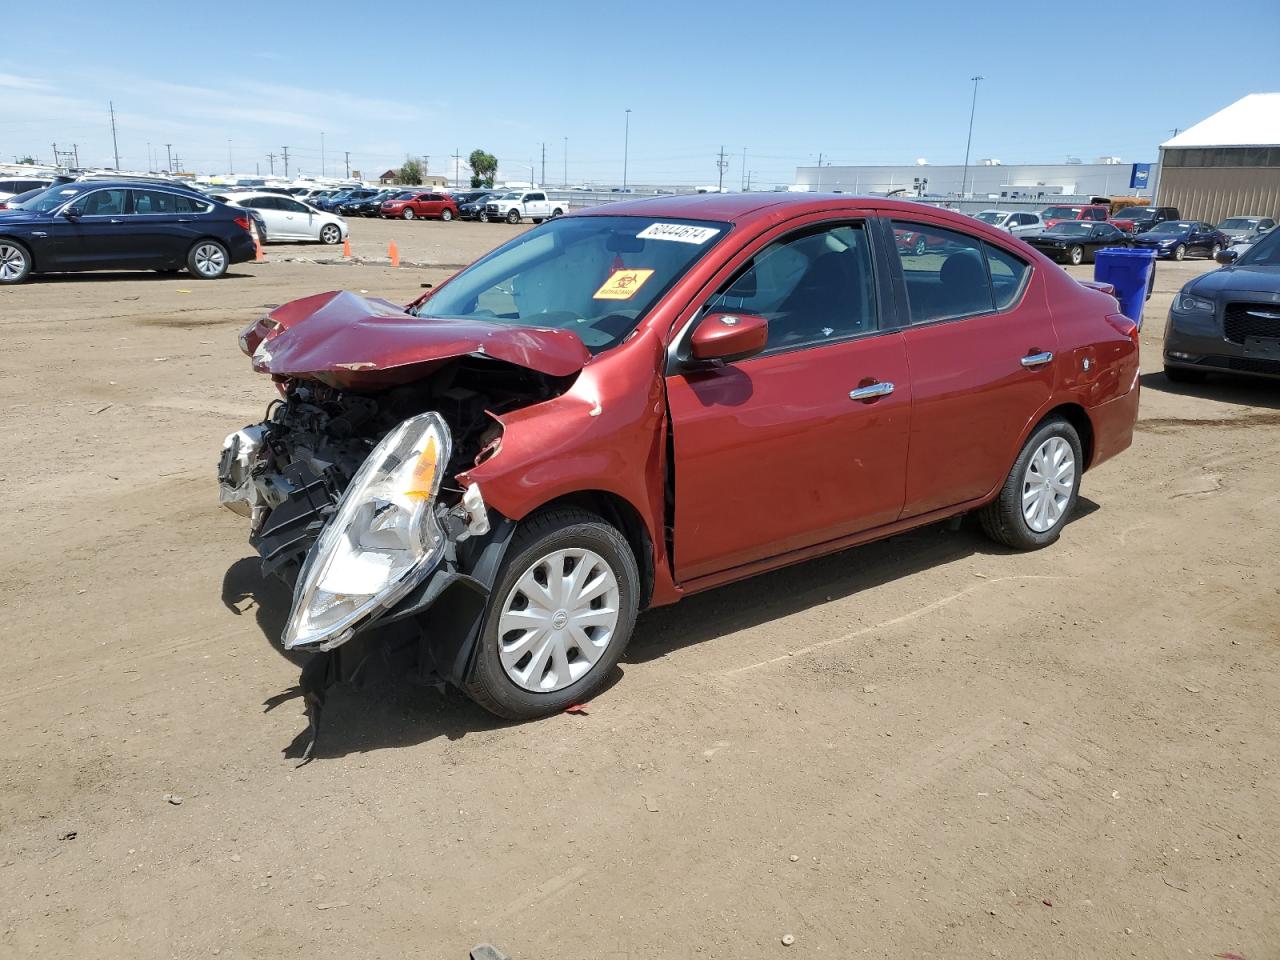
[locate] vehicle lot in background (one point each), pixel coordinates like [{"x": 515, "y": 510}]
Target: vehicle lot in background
[
  {"x": 1245, "y": 229},
  {"x": 1073, "y": 211},
  {"x": 1018, "y": 223},
  {"x": 11, "y": 186},
  {"x": 420, "y": 205},
  {"x": 1077, "y": 242},
  {"x": 876, "y": 714},
  {"x": 517, "y": 205},
  {"x": 1141, "y": 219}
]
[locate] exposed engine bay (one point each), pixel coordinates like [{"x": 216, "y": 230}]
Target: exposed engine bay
[{"x": 397, "y": 553}]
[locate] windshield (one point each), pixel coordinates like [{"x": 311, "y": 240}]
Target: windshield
[
  {"x": 1238, "y": 223},
  {"x": 992, "y": 216},
  {"x": 1171, "y": 226},
  {"x": 1135, "y": 213},
  {"x": 596, "y": 276},
  {"x": 1072, "y": 229},
  {"x": 52, "y": 198},
  {"x": 1264, "y": 253},
  {"x": 1061, "y": 213}
]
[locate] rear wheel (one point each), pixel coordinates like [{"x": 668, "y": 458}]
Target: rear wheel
[
  {"x": 330, "y": 233},
  {"x": 1179, "y": 252},
  {"x": 559, "y": 616},
  {"x": 1076, "y": 256},
  {"x": 920, "y": 247},
  {"x": 1183, "y": 375},
  {"x": 1040, "y": 491},
  {"x": 15, "y": 262},
  {"x": 557, "y": 212},
  {"x": 208, "y": 260},
  {"x": 513, "y": 216},
  {"x": 1214, "y": 251},
  {"x": 408, "y": 213},
  {"x": 446, "y": 214}
]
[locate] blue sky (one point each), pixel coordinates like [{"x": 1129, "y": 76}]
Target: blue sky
[{"x": 860, "y": 83}]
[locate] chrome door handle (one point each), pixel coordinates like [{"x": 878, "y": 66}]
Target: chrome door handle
[
  {"x": 1037, "y": 359},
  {"x": 871, "y": 392}
]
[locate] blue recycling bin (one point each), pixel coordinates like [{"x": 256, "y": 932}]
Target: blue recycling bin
[{"x": 1129, "y": 271}]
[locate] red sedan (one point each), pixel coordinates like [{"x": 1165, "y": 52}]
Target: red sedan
[
  {"x": 648, "y": 399},
  {"x": 411, "y": 205}
]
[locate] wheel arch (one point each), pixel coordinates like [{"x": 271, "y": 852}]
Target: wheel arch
[
  {"x": 622, "y": 514},
  {"x": 1078, "y": 417}
]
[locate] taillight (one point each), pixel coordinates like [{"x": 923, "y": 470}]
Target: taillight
[
  {"x": 1124, "y": 326},
  {"x": 244, "y": 224}
]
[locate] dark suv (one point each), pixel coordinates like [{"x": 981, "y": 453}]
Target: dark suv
[{"x": 1134, "y": 220}]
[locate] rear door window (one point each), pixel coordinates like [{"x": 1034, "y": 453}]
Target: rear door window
[
  {"x": 949, "y": 279},
  {"x": 1008, "y": 275}
]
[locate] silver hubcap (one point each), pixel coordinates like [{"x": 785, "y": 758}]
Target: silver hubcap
[
  {"x": 210, "y": 260},
  {"x": 1077, "y": 255},
  {"x": 558, "y": 620},
  {"x": 12, "y": 262},
  {"x": 1047, "y": 484},
  {"x": 330, "y": 235},
  {"x": 408, "y": 214}
]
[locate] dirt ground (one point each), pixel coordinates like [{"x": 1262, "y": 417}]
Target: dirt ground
[{"x": 928, "y": 747}]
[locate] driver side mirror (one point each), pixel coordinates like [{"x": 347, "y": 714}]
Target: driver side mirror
[
  {"x": 729, "y": 336},
  {"x": 72, "y": 212},
  {"x": 1227, "y": 257}
]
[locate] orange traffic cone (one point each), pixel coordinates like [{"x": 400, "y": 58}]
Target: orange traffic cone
[
  {"x": 346, "y": 249},
  {"x": 394, "y": 252},
  {"x": 258, "y": 255}
]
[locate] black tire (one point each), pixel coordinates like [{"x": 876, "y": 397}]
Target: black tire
[
  {"x": 1076, "y": 256},
  {"x": 557, "y": 212},
  {"x": 408, "y": 214},
  {"x": 537, "y": 219},
  {"x": 330, "y": 233},
  {"x": 15, "y": 262},
  {"x": 1214, "y": 250},
  {"x": 513, "y": 216},
  {"x": 1002, "y": 519},
  {"x": 1179, "y": 252},
  {"x": 482, "y": 216},
  {"x": 538, "y": 536},
  {"x": 921, "y": 246},
  {"x": 201, "y": 262},
  {"x": 1183, "y": 375},
  {"x": 446, "y": 214}
]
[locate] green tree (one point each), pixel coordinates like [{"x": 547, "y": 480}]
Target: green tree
[
  {"x": 484, "y": 167},
  {"x": 28, "y": 159},
  {"x": 410, "y": 171}
]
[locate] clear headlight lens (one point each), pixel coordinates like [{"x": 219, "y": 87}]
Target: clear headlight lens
[
  {"x": 382, "y": 540},
  {"x": 1186, "y": 303}
]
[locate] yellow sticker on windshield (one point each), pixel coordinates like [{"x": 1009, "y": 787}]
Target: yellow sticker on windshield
[{"x": 622, "y": 284}]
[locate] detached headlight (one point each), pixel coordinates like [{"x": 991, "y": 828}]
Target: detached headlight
[
  {"x": 1186, "y": 303},
  {"x": 382, "y": 540}
]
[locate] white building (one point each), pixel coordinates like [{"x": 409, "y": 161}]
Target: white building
[{"x": 985, "y": 180}]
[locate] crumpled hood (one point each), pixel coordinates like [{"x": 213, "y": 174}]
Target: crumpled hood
[
  {"x": 1246, "y": 279},
  {"x": 344, "y": 339}
]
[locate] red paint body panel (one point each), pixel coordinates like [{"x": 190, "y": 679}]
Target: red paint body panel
[
  {"x": 348, "y": 340},
  {"x": 772, "y": 460}
]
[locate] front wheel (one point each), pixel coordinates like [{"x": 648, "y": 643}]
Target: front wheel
[
  {"x": 330, "y": 233},
  {"x": 1179, "y": 252},
  {"x": 513, "y": 216},
  {"x": 920, "y": 247},
  {"x": 1214, "y": 251},
  {"x": 1040, "y": 491},
  {"x": 208, "y": 260},
  {"x": 559, "y": 616},
  {"x": 1076, "y": 256},
  {"x": 15, "y": 262},
  {"x": 483, "y": 217},
  {"x": 408, "y": 213}
]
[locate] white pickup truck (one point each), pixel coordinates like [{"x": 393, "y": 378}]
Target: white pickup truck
[{"x": 519, "y": 204}]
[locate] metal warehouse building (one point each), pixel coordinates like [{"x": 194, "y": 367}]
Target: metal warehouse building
[
  {"x": 1227, "y": 164},
  {"x": 983, "y": 180}
]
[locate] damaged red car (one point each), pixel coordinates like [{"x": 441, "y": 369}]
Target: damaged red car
[{"x": 648, "y": 399}]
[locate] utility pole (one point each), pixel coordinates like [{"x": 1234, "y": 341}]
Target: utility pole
[
  {"x": 230, "y": 166},
  {"x": 149, "y": 166},
  {"x": 964, "y": 178},
  {"x": 626, "y": 146},
  {"x": 347, "y": 154},
  {"x": 819, "y": 173},
  {"x": 457, "y": 169},
  {"x": 721, "y": 164},
  {"x": 285, "y": 151},
  {"x": 271, "y": 159},
  {"x": 169, "y": 148},
  {"x": 543, "y": 181},
  {"x": 177, "y": 163},
  {"x": 257, "y": 169},
  {"x": 115, "y": 147},
  {"x": 75, "y": 152},
  {"x": 566, "y": 163},
  {"x": 322, "y": 153},
  {"x": 744, "y": 169}
]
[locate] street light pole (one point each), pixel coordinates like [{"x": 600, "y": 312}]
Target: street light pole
[
  {"x": 322, "y": 153},
  {"x": 566, "y": 163},
  {"x": 626, "y": 146},
  {"x": 964, "y": 178},
  {"x": 230, "y": 167}
]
